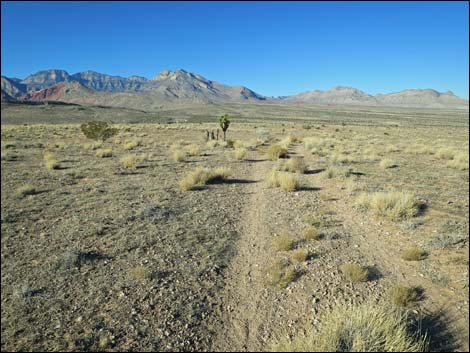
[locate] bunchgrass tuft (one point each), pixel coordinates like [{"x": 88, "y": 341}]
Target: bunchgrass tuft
[
  {"x": 354, "y": 273},
  {"x": 414, "y": 254},
  {"x": 404, "y": 296},
  {"x": 280, "y": 273},
  {"x": 283, "y": 242},
  {"x": 394, "y": 205},
  {"x": 367, "y": 327}
]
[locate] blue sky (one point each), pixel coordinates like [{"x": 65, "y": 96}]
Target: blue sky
[{"x": 274, "y": 48}]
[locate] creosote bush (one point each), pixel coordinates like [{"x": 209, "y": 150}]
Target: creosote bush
[
  {"x": 367, "y": 327},
  {"x": 354, "y": 273},
  {"x": 394, "y": 205},
  {"x": 98, "y": 130}
]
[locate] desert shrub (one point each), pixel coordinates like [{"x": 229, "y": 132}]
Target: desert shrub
[
  {"x": 8, "y": 144},
  {"x": 283, "y": 242},
  {"x": 299, "y": 255},
  {"x": 104, "y": 152},
  {"x": 354, "y": 273},
  {"x": 318, "y": 143},
  {"x": 25, "y": 190},
  {"x": 312, "y": 233},
  {"x": 367, "y": 327},
  {"x": 446, "y": 153},
  {"x": 336, "y": 172},
  {"x": 276, "y": 151},
  {"x": 394, "y": 205},
  {"x": 263, "y": 135},
  {"x": 98, "y": 130},
  {"x": 387, "y": 163},
  {"x": 193, "y": 150},
  {"x": 414, "y": 254},
  {"x": 280, "y": 273},
  {"x": 129, "y": 161},
  {"x": 403, "y": 296},
  {"x": 239, "y": 153},
  {"x": 178, "y": 155}
]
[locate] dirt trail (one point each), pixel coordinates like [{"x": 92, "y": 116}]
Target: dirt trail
[{"x": 244, "y": 280}]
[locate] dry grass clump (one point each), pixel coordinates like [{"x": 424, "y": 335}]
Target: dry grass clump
[
  {"x": 141, "y": 272},
  {"x": 336, "y": 172},
  {"x": 414, "y": 254},
  {"x": 392, "y": 148},
  {"x": 25, "y": 190},
  {"x": 177, "y": 155},
  {"x": 318, "y": 143},
  {"x": 104, "y": 152},
  {"x": 280, "y": 273},
  {"x": 446, "y": 153},
  {"x": 394, "y": 205},
  {"x": 460, "y": 161},
  {"x": 193, "y": 150},
  {"x": 354, "y": 273},
  {"x": 93, "y": 145},
  {"x": 300, "y": 255},
  {"x": 202, "y": 176},
  {"x": 276, "y": 151},
  {"x": 367, "y": 327},
  {"x": 312, "y": 233},
  {"x": 238, "y": 144},
  {"x": 387, "y": 163},
  {"x": 129, "y": 161},
  {"x": 50, "y": 161},
  {"x": 343, "y": 158},
  {"x": 131, "y": 144},
  {"x": 8, "y": 144},
  {"x": 283, "y": 242},
  {"x": 239, "y": 153},
  {"x": 286, "y": 181},
  {"x": 59, "y": 145},
  {"x": 425, "y": 150},
  {"x": 403, "y": 296},
  {"x": 212, "y": 143},
  {"x": 296, "y": 165}
]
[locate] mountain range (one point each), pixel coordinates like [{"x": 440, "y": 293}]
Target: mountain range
[{"x": 180, "y": 86}]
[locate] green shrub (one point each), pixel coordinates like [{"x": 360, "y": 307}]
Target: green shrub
[{"x": 98, "y": 130}]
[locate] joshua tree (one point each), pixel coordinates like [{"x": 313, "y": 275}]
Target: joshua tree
[{"x": 224, "y": 123}]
